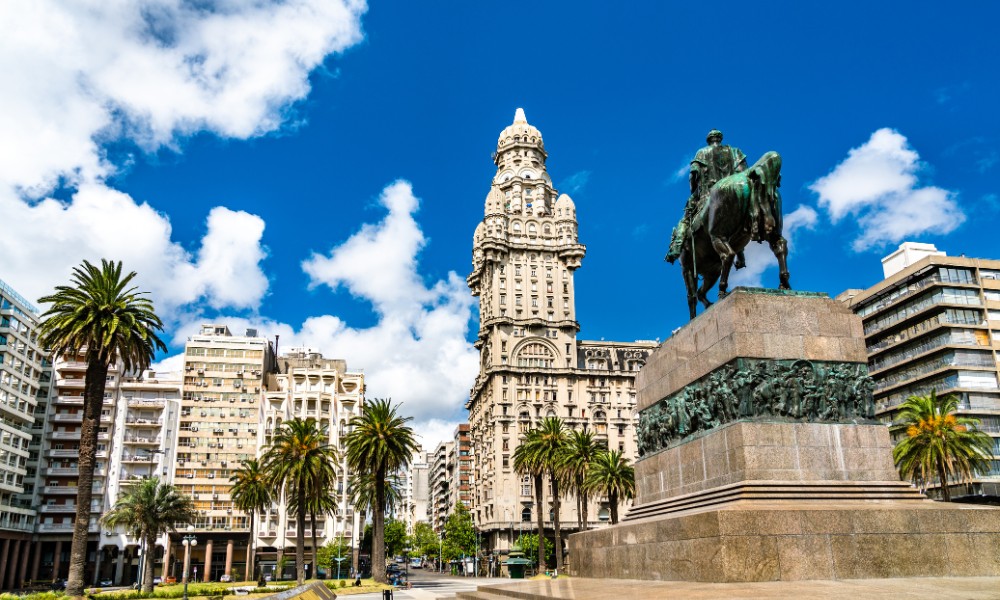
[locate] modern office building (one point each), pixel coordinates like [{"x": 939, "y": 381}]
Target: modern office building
[
  {"x": 24, "y": 375},
  {"x": 224, "y": 377},
  {"x": 307, "y": 385},
  {"x": 933, "y": 323},
  {"x": 525, "y": 254}
]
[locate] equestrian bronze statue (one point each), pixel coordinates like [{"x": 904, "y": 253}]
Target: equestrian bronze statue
[{"x": 729, "y": 207}]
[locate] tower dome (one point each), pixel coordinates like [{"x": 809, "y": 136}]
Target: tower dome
[
  {"x": 520, "y": 133},
  {"x": 495, "y": 201},
  {"x": 565, "y": 208}
]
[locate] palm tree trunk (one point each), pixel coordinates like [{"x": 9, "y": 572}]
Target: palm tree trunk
[
  {"x": 312, "y": 523},
  {"x": 613, "y": 501},
  {"x": 539, "y": 492},
  {"x": 555, "y": 521},
  {"x": 586, "y": 516},
  {"x": 582, "y": 495},
  {"x": 356, "y": 550},
  {"x": 97, "y": 372},
  {"x": 300, "y": 523},
  {"x": 378, "y": 529},
  {"x": 945, "y": 494},
  {"x": 249, "y": 573},
  {"x": 579, "y": 503},
  {"x": 147, "y": 564}
]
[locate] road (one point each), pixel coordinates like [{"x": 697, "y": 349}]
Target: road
[{"x": 430, "y": 585}]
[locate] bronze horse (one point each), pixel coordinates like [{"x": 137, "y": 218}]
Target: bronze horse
[{"x": 741, "y": 208}]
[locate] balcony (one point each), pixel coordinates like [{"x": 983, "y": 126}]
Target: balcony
[
  {"x": 74, "y": 400},
  {"x": 66, "y": 508},
  {"x": 144, "y": 403},
  {"x": 64, "y": 490},
  {"x": 63, "y": 528},
  {"x": 137, "y": 458},
  {"x": 65, "y": 435},
  {"x": 144, "y": 422},
  {"x": 143, "y": 441},
  {"x": 70, "y": 383},
  {"x": 68, "y": 418},
  {"x": 68, "y": 453}
]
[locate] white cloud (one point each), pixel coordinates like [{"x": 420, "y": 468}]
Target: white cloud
[
  {"x": 575, "y": 182},
  {"x": 80, "y": 75},
  {"x": 50, "y": 237},
  {"x": 417, "y": 353},
  {"x": 877, "y": 184},
  {"x": 759, "y": 257}
]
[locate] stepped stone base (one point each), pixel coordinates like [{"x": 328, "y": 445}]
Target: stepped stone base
[
  {"x": 791, "y": 541},
  {"x": 770, "y": 500}
]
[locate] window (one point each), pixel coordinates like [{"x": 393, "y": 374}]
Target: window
[
  {"x": 526, "y": 514},
  {"x": 506, "y": 461}
]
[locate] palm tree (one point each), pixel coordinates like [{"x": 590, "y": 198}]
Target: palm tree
[
  {"x": 611, "y": 474},
  {"x": 381, "y": 443},
  {"x": 939, "y": 444},
  {"x": 300, "y": 460},
  {"x": 540, "y": 453},
  {"x": 146, "y": 510},
  {"x": 319, "y": 501},
  {"x": 529, "y": 463},
  {"x": 361, "y": 494},
  {"x": 100, "y": 316},
  {"x": 250, "y": 493},
  {"x": 581, "y": 449}
]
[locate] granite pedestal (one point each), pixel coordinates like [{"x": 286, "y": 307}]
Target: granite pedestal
[{"x": 772, "y": 499}]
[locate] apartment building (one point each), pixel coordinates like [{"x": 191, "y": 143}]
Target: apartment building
[
  {"x": 143, "y": 445},
  {"x": 933, "y": 323},
  {"x": 223, "y": 380},
  {"x": 24, "y": 374},
  {"x": 307, "y": 385}
]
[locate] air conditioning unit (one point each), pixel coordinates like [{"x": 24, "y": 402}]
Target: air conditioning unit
[
  {"x": 232, "y": 399},
  {"x": 195, "y": 429},
  {"x": 190, "y": 475},
  {"x": 215, "y": 496},
  {"x": 211, "y": 475}
]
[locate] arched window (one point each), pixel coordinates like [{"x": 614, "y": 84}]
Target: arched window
[
  {"x": 526, "y": 514},
  {"x": 532, "y": 230},
  {"x": 535, "y": 355},
  {"x": 517, "y": 227}
]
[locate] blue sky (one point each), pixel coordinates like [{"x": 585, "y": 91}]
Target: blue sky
[{"x": 317, "y": 168}]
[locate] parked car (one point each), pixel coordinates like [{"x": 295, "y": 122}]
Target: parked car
[
  {"x": 157, "y": 580},
  {"x": 106, "y": 583}
]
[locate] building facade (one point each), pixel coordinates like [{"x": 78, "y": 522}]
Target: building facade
[
  {"x": 308, "y": 385},
  {"x": 933, "y": 323},
  {"x": 525, "y": 254},
  {"x": 24, "y": 374},
  {"x": 224, "y": 379},
  {"x": 143, "y": 445}
]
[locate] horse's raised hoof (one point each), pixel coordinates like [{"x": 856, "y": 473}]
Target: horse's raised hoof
[
  {"x": 722, "y": 294},
  {"x": 784, "y": 286}
]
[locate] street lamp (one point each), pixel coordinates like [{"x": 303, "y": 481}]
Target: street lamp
[
  {"x": 188, "y": 540},
  {"x": 406, "y": 559}
]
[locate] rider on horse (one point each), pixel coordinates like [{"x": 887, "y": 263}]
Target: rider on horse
[{"x": 712, "y": 163}]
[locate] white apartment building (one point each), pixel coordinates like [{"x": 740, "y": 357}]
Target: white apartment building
[
  {"x": 24, "y": 372},
  {"x": 307, "y": 385}
]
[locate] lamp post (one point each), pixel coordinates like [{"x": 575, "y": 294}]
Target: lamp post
[
  {"x": 440, "y": 552},
  {"x": 188, "y": 540}
]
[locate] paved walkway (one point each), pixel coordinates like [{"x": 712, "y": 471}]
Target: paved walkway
[{"x": 911, "y": 588}]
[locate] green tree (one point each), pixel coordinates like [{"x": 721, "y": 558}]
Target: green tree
[
  {"x": 425, "y": 540},
  {"x": 106, "y": 320},
  {"x": 145, "y": 510},
  {"x": 580, "y": 450},
  {"x": 319, "y": 501},
  {"x": 528, "y": 462},
  {"x": 300, "y": 460},
  {"x": 459, "y": 532},
  {"x": 938, "y": 444},
  {"x": 543, "y": 448},
  {"x": 328, "y": 555},
  {"x": 380, "y": 442},
  {"x": 611, "y": 474},
  {"x": 395, "y": 537},
  {"x": 251, "y": 493},
  {"x": 528, "y": 543}
]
